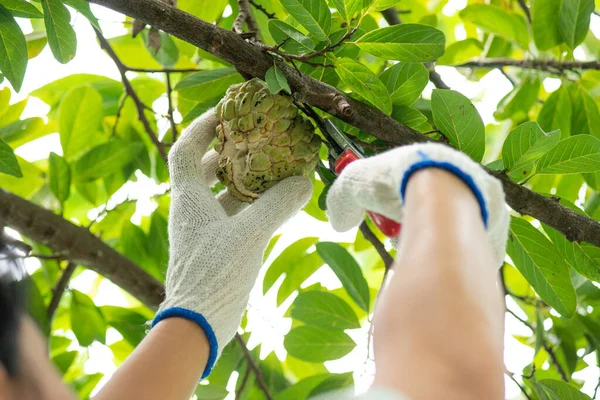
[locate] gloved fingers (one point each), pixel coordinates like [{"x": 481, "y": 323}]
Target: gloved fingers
[
  {"x": 185, "y": 155},
  {"x": 230, "y": 204},
  {"x": 209, "y": 164},
  {"x": 193, "y": 206},
  {"x": 363, "y": 185},
  {"x": 274, "y": 207}
]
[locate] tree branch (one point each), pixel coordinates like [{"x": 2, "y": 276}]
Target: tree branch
[
  {"x": 131, "y": 93},
  {"x": 525, "y": 9},
  {"x": 60, "y": 288},
  {"x": 383, "y": 253},
  {"x": 550, "y": 65},
  {"x": 159, "y": 70},
  {"x": 240, "y": 390},
  {"x": 436, "y": 79},
  {"x": 251, "y": 60},
  {"x": 252, "y": 365},
  {"x": 79, "y": 246},
  {"x": 263, "y": 10},
  {"x": 170, "y": 108},
  {"x": 245, "y": 15}
]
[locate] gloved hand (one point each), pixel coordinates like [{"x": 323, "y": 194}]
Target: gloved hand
[
  {"x": 378, "y": 184},
  {"x": 217, "y": 244}
]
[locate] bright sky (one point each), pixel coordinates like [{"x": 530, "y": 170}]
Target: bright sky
[{"x": 266, "y": 321}]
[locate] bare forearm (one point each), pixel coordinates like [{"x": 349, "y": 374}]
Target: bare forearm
[
  {"x": 438, "y": 332},
  {"x": 166, "y": 365}
]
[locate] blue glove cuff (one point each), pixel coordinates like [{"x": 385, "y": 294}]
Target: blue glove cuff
[
  {"x": 200, "y": 320},
  {"x": 427, "y": 162}
]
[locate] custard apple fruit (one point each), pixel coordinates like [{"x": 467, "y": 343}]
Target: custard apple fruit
[{"x": 261, "y": 139}]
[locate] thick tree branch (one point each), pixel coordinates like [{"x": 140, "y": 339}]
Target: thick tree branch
[
  {"x": 251, "y": 60},
  {"x": 131, "y": 93},
  {"x": 60, "y": 288},
  {"x": 549, "y": 65},
  {"x": 79, "y": 246}
]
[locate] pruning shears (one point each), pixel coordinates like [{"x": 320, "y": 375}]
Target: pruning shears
[{"x": 342, "y": 152}]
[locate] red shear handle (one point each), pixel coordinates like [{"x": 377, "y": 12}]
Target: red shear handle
[{"x": 388, "y": 227}]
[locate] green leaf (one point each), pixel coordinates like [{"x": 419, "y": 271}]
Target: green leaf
[
  {"x": 36, "y": 42},
  {"x": 297, "y": 42},
  {"x": 314, "y": 15},
  {"x": 8, "y": 161},
  {"x": 87, "y": 321},
  {"x": 349, "y": 9},
  {"x": 312, "y": 344},
  {"x": 333, "y": 382},
  {"x": 13, "y": 50},
  {"x": 208, "y": 84},
  {"x": 83, "y": 7},
  {"x": 85, "y": 385},
  {"x": 276, "y": 81},
  {"x": 558, "y": 390},
  {"x": 287, "y": 260},
  {"x": 53, "y": 92},
  {"x": 539, "y": 331},
  {"x": 411, "y": 117},
  {"x": 541, "y": 264},
  {"x": 458, "y": 119},
  {"x": 586, "y": 117},
  {"x": 576, "y": 154},
  {"x": 106, "y": 159},
  {"x": 130, "y": 324},
  {"x": 405, "y": 82},
  {"x": 495, "y": 20},
  {"x": 79, "y": 113},
  {"x": 347, "y": 270},
  {"x": 168, "y": 53},
  {"x": 405, "y": 42},
  {"x": 518, "y": 102},
  {"x": 545, "y": 15},
  {"x": 380, "y": 5},
  {"x": 301, "y": 389},
  {"x": 158, "y": 239},
  {"x": 60, "y": 177},
  {"x": 574, "y": 20},
  {"x": 324, "y": 310},
  {"x": 460, "y": 52},
  {"x": 313, "y": 208},
  {"x": 61, "y": 35},
  {"x": 34, "y": 179},
  {"x": 270, "y": 246},
  {"x": 579, "y": 256},
  {"x": 524, "y": 145},
  {"x": 211, "y": 392},
  {"x": 64, "y": 360},
  {"x": 302, "y": 269},
  {"x": 21, "y": 8},
  {"x": 36, "y": 307},
  {"x": 557, "y": 113},
  {"x": 134, "y": 243},
  {"x": 364, "y": 82}
]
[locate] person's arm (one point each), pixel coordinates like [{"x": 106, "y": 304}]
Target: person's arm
[
  {"x": 166, "y": 365},
  {"x": 439, "y": 327}
]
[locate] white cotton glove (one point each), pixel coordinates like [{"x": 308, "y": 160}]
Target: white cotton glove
[
  {"x": 378, "y": 184},
  {"x": 217, "y": 244}
]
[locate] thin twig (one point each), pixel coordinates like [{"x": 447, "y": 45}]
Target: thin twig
[
  {"x": 545, "y": 345},
  {"x": 596, "y": 389},
  {"x": 305, "y": 58},
  {"x": 525, "y": 9},
  {"x": 121, "y": 105},
  {"x": 170, "y": 108},
  {"x": 251, "y": 364},
  {"x": 161, "y": 70},
  {"x": 240, "y": 390},
  {"x": 104, "y": 44},
  {"x": 512, "y": 377},
  {"x": 436, "y": 79},
  {"x": 550, "y": 65},
  {"x": 59, "y": 256},
  {"x": 388, "y": 261},
  {"x": 262, "y": 9},
  {"x": 245, "y": 15},
  {"x": 60, "y": 287}
]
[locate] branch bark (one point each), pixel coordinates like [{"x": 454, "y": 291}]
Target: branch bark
[
  {"x": 78, "y": 245},
  {"x": 60, "y": 288},
  {"x": 388, "y": 261},
  {"x": 252, "y": 365},
  {"x": 252, "y": 61},
  {"x": 549, "y": 65}
]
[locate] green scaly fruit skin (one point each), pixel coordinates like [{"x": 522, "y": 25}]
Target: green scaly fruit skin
[{"x": 261, "y": 140}]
